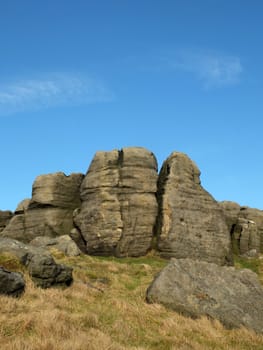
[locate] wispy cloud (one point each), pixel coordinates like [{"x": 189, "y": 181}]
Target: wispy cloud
[
  {"x": 51, "y": 91},
  {"x": 212, "y": 69}
]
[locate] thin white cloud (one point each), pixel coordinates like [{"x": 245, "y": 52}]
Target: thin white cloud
[
  {"x": 211, "y": 68},
  {"x": 51, "y": 91}
]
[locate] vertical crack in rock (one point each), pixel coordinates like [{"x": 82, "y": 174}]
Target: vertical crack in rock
[
  {"x": 162, "y": 179},
  {"x": 119, "y": 206}
]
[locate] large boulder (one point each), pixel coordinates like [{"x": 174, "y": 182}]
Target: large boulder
[
  {"x": 190, "y": 222},
  {"x": 245, "y": 226},
  {"x": 196, "y": 288},
  {"x": 50, "y": 211},
  {"x": 5, "y": 217},
  {"x": 43, "y": 269},
  {"x": 11, "y": 283},
  {"x": 119, "y": 205}
]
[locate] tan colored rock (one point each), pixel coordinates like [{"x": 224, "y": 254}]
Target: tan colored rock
[
  {"x": 50, "y": 222},
  {"x": 50, "y": 211},
  {"x": 5, "y": 217},
  {"x": 57, "y": 190},
  {"x": 245, "y": 226},
  {"x": 63, "y": 244},
  {"x": 256, "y": 216},
  {"x": 231, "y": 211},
  {"x": 245, "y": 236},
  {"x": 190, "y": 223},
  {"x": 119, "y": 206}
]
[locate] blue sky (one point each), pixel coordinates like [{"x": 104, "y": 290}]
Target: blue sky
[{"x": 81, "y": 76}]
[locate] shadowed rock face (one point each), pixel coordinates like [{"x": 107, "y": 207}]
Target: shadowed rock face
[
  {"x": 5, "y": 217},
  {"x": 190, "y": 222},
  {"x": 119, "y": 205},
  {"x": 11, "y": 283},
  {"x": 50, "y": 211},
  {"x": 196, "y": 288},
  {"x": 245, "y": 226}
]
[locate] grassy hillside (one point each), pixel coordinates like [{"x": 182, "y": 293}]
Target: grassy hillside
[{"x": 105, "y": 308}]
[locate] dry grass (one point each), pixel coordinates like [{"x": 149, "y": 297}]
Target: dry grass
[{"x": 105, "y": 309}]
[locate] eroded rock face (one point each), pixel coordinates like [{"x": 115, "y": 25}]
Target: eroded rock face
[
  {"x": 43, "y": 269},
  {"x": 196, "y": 288},
  {"x": 50, "y": 211},
  {"x": 190, "y": 223},
  {"x": 119, "y": 206},
  {"x": 5, "y": 217},
  {"x": 56, "y": 190},
  {"x": 11, "y": 283},
  {"x": 245, "y": 226}
]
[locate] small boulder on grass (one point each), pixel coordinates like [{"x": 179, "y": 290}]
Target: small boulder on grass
[
  {"x": 197, "y": 288},
  {"x": 42, "y": 268},
  {"x": 11, "y": 283}
]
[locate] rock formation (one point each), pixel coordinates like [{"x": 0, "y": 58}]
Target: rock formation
[
  {"x": 5, "y": 217},
  {"x": 119, "y": 205},
  {"x": 43, "y": 269},
  {"x": 63, "y": 244},
  {"x": 245, "y": 226},
  {"x": 190, "y": 223},
  {"x": 50, "y": 211},
  {"x": 11, "y": 283},
  {"x": 196, "y": 288}
]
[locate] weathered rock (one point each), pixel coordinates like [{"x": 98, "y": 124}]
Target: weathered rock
[
  {"x": 76, "y": 236},
  {"x": 5, "y": 217},
  {"x": 22, "y": 206},
  {"x": 196, "y": 288},
  {"x": 11, "y": 283},
  {"x": 57, "y": 190},
  {"x": 245, "y": 236},
  {"x": 50, "y": 211},
  {"x": 119, "y": 206},
  {"x": 44, "y": 271},
  {"x": 64, "y": 244},
  {"x": 256, "y": 216},
  {"x": 50, "y": 222},
  {"x": 231, "y": 211},
  {"x": 190, "y": 222},
  {"x": 245, "y": 226}
]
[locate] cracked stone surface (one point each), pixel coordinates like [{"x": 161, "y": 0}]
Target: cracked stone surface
[
  {"x": 119, "y": 204},
  {"x": 190, "y": 224},
  {"x": 50, "y": 210}
]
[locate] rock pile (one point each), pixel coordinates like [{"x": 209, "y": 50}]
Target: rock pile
[
  {"x": 119, "y": 208},
  {"x": 43, "y": 269}
]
